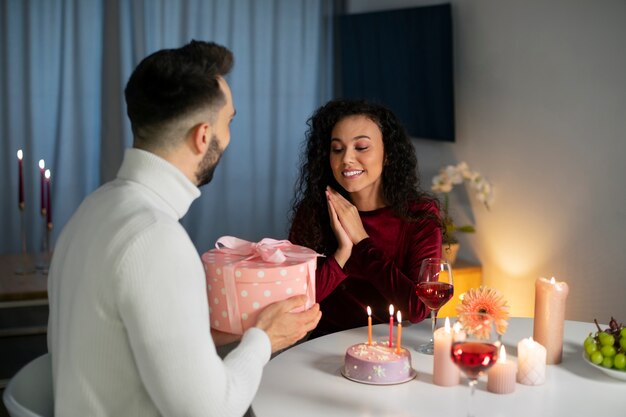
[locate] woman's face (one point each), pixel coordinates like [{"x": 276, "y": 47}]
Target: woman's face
[{"x": 357, "y": 154}]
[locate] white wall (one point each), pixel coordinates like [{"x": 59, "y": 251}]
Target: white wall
[{"x": 541, "y": 111}]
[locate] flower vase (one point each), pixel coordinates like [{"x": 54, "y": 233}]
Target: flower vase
[{"x": 449, "y": 252}]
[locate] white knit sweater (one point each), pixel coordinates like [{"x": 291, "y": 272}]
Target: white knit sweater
[{"x": 129, "y": 321}]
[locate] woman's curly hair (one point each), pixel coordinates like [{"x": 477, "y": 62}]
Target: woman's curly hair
[{"x": 400, "y": 181}]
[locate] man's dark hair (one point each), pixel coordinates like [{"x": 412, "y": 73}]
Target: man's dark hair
[{"x": 171, "y": 84}]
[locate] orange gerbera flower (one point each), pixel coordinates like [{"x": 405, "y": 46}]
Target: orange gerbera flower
[{"x": 487, "y": 301}]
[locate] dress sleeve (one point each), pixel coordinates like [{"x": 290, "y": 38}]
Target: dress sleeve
[
  {"x": 328, "y": 274},
  {"x": 422, "y": 240}
]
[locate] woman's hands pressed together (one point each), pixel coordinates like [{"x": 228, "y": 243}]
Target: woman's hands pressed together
[{"x": 346, "y": 224}]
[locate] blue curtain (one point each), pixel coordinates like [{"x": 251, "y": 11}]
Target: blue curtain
[{"x": 63, "y": 68}]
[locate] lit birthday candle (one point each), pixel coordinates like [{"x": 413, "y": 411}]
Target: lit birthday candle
[
  {"x": 369, "y": 325},
  {"x": 390, "y": 325},
  {"x": 399, "y": 342}
]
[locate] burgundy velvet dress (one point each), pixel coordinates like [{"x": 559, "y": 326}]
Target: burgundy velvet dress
[{"x": 382, "y": 270}]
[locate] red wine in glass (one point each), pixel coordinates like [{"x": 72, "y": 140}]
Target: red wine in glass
[
  {"x": 474, "y": 358},
  {"x": 434, "y": 294}
]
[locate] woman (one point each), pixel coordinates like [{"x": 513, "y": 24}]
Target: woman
[{"x": 358, "y": 202}]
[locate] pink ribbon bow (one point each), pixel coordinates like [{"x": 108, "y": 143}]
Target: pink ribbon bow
[{"x": 270, "y": 250}]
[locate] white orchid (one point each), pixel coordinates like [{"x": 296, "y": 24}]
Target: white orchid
[{"x": 452, "y": 175}]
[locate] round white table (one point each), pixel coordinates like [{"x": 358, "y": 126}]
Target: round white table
[{"x": 305, "y": 381}]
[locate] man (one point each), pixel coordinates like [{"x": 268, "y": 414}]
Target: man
[{"x": 129, "y": 322}]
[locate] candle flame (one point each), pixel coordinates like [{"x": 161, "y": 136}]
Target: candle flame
[
  {"x": 446, "y": 326},
  {"x": 502, "y": 355},
  {"x": 399, "y": 317},
  {"x": 42, "y": 164},
  {"x": 391, "y": 310},
  {"x": 369, "y": 311},
  {"x": 47, "y": 174},
  {"x": 552, "y": 280},
  {"x": 20, "y": 154}
]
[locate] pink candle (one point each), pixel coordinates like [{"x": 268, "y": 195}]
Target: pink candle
[
  {"x": 531, "y": 362},
  {"x": 369, "y": 325},
  {"x": 399, "y": 342},
  {"x": 20, "y": 169},
  {"x": 550, "y": 298},
  {"x": 48, "y": 205},
  {"x": 445, "y": 372},
  {"x": 501, "y": 376},
  {"x": 390, "y": 325},
  {"x": 42, "y": 166}
]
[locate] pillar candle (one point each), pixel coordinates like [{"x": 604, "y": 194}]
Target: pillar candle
[
  {"x": 42, "y": 166},
  {"x": 501, "y": 376},
  {"x": 20, "y": 185},
  {"x": 399, "y": 342},
  {"x": 390, "y": 325},
  {"x": 445, "y": 372},
  {"x": 550, "y": 297},
  {"x": 531, "y": 362},
  {"x": 369, "y": 325},
  {"x": 48, "y": 200}
]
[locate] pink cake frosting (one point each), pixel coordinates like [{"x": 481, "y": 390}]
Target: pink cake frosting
[{"x": 377, "y": 364}]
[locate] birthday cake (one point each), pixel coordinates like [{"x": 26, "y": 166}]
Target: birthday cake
[{"x": 377, "y": 364}]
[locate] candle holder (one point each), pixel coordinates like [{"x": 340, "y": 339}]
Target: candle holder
[
  {"x": 43, "y": 262},
  {"x": 24, "y": 266}
]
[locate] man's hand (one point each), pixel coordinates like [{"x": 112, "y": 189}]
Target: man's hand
[{"x": 285, "y": 328}]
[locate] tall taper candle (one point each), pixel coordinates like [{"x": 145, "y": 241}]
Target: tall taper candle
[
  {"x": 20, "y": 169},
  {"x": 48, "y": 200},
  {"x": 550, "y": 298},
  {"x": 42, "y": 166},
  {"x": 390, "y": 325}
]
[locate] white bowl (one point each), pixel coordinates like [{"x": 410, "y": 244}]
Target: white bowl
[{"x": 615, "y": 373}]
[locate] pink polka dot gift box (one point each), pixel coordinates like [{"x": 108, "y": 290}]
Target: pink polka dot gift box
[{"x": 243, "y": 277}]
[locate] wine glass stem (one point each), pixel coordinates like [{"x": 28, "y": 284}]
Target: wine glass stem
[
  {"x": 433, "y": 317},
  {"x": 470, "y": 408}
]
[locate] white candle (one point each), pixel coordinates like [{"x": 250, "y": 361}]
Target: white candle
[
  {"x": 501, "y": 376},
  {"x": 445, "y": 372},
  {"x": 531, "y": 362},
  {"x": 550, "y": 297}
]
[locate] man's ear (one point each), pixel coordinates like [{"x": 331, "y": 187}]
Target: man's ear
[{"x": 201, "y": 136}]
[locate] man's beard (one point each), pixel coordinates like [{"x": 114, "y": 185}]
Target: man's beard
[{"x": 207, "y": 166}]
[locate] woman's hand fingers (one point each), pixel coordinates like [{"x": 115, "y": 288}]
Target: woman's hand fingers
[{"x": 348, "y": 215}]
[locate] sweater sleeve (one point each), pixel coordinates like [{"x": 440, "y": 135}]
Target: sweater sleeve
[
  {"x": 422, "y": 240},
  {"x": 163, "y": 305}
]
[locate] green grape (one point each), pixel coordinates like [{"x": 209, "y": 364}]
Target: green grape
[
  {"x": 619, "y": 361},
  {"x": 589, "y": 341},
  {"x": 596, "y": 357},
  {"x": 607, "y": 362},
  {"x": 622, "y": 332},
  {"x": 608, "y": 351},
  {"x": 606, "y": 339},
  {"x": 622, "y": 341},
  {"x": 591, "y": 348}
]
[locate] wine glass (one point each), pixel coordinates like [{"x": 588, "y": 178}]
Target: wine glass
[
  {"x": 475, "y": 347},
  {"x": 435, "y": 287}
]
